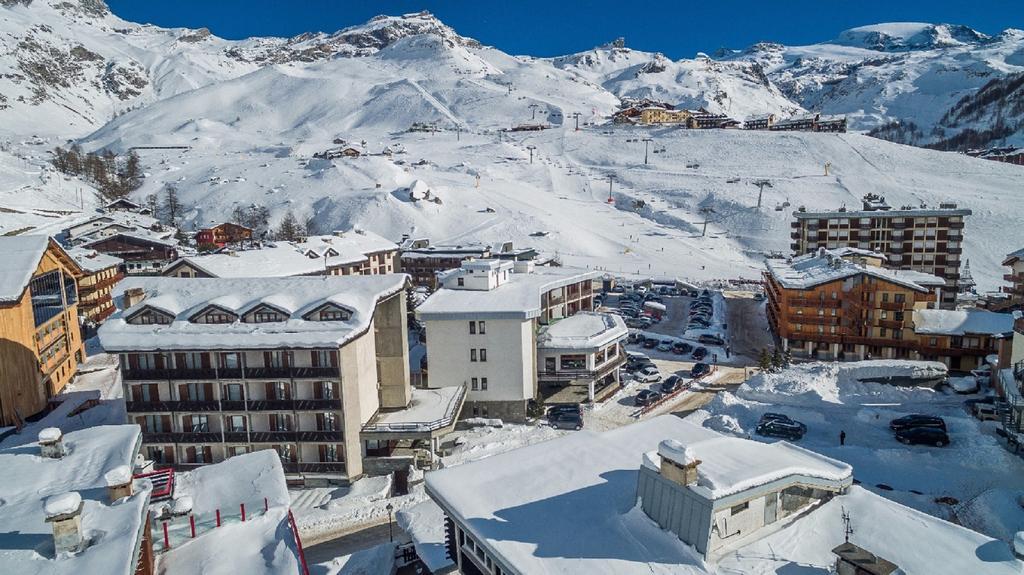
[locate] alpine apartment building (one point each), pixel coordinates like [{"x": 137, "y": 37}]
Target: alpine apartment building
[
  {"x": 307, "y": 366},
  {"x": 482, "y": 326},
  {"x": 100, "y": 272},
  {"x": 843, "y": 305},
  {"x": 40, "y": 340},
  {"x": 911, "y": 238}
]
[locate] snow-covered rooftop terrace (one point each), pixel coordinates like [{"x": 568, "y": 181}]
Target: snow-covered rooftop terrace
[
  {"x": 295, "y": 296},
  {"x": 27, "y": 480},
  {"x": 519, "y": 297},
  {"x": 961, "y": 322},
  {"x": 569, "y": 505},
  {"x": 584, "y": 330},
  {"x": 429, "y": 410}
]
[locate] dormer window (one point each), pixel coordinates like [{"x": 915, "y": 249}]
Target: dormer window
[
  {"x": 214, "y": 314},
  {"x": 150, "y": 316},
  {"x": 329, "y": 312},
  {"x": 264, "y": 313}
]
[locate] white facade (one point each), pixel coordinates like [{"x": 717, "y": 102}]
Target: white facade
[{"x": 503, "y": 371}]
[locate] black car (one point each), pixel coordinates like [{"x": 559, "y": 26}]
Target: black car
[
  {"x": 781, "y": 428},
  {"x": 781, "y": 417},
  {"x": 700, "y": 369},
  {"x": 564, "y": 408},
  {"x": 917, "y": 420},
  {"x": 681, "y": 348},
  {"x": 566, "y": 420},
  {"x": 647, "y": 397},
  {"x": 923, "y": 435},
  {"x": 651, "y": 343},
  {"x": 671, "y": 384},
  {"x": 711, "y": 339},
  {"x": 700, "y": 353}
]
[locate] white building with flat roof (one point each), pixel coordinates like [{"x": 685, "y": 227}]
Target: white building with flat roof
[{"x": 482, "y": 323}]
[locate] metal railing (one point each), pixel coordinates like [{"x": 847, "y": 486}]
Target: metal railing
[
  {"x": 234, "y": 405},
  {"x": 451, "y": 412}
]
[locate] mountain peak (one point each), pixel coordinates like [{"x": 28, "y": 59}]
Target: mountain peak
[
  {"x": 905, "y": 36},
  {"x": 382, "y": 31}
]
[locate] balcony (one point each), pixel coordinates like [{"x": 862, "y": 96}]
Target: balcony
[
  {"x": 891, "y": 305},
  {"x": 169, "y": 406},
  {"x": 326, "y": 468},
  {"x": 891, "y": 324},
  {"x": 1013, "y": 278},
  {"x": 900, "y": 225},
  {"x": 815, "y": 303},
  {"x": 956, "y": 225},
  {"x": 291, "y": 372},
  {"x": 104, "y": 283},
  {"x": 955, "y": 251},
  {"x": 292, "y": 404},
  {"x": 813, "y": 319},
  {"x": 181, "y": 437},
  {"x": 794, "y": 224},
  {"x": 234, "y": 405},
  {"x": 242, "y": 437},
  {"x": 165, "y": 374}
]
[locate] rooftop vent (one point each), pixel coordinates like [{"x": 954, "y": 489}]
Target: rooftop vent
[
  {"x": 678, "y": 462},
  {"x": 119, "y": 483},
  {"x": 64, "y": 513},
  {"x": 51, "y": 443},
  {"x": 133, "y": 296}
]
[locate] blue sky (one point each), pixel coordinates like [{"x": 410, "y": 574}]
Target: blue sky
[{"x": 549, "y": 28}]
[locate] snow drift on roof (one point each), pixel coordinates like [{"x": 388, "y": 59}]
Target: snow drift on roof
[
  {"x": 21, "y": 258},
  {"x": 961, "y": 322},
  {"x": 583, "y": 330}
]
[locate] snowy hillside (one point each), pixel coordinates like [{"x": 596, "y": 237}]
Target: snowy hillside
[{"x": 908, "y": 72}]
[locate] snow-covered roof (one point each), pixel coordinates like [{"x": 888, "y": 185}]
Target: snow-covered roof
[
  {"x": 21, "y": 255},
  {"x": 584, "y": 330},
  {"x": 911, "y": 213},
  {"x": 33, "y": 487},
  {"x": 913, "y": 540},
  {"x": 824, "y": 266},
  {"x": 445, "y": 249},
  {"x": 424, "y": 522},
  {"x": 1013, "y": 256},
  {"x": 183, "y": 298},
  {"x": 847, "y": 251},
  {"x": 429, "y": 410},
  {"x": 519, "y": 297},
  {"x": 263, "y": 545},
  {"x": 92, "y": 261},
  {"x": 145, "y": 236},
  {"x": 348, "y": 244},
  {"x": 961, "y": 322},
  {"x": 569, "y": 505}
]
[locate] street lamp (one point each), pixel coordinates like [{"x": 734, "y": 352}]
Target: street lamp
[
  {"x": 391, "y": 532},
  {"x": 531, "y": 148},
  {"x": 647, "y": 142}
]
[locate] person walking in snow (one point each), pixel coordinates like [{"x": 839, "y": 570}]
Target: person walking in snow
[{"x": 842, "y": 437}]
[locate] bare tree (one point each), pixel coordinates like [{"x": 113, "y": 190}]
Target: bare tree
[{"x": 172, "y": 205}]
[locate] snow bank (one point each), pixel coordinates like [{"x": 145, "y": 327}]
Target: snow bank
[
  {"x": 62, "y": 504},
  {"x": 372, "y": 561},
  {"x": 843, "y": 383},
  {"x": 119, "y": 475},
  {"x": 50, "y": 435},
  {"x": 240, "y": 479},
  {"x": 674, "y": 450},
  {"x": 424, "y": 522},
  {"x": 998, "y": 513}
]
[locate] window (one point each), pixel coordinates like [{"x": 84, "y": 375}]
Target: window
[
  {"x": 933, "y": 341},
  {"x": 286, "y": 453},
  {"x": 900, "y": 298},
  {"x": 897, "y": 334},
  {"x": 236, "y": 423},
  {"x": 323, "y": 390},
  {"x": 472, "y": 328},
  {"x": 327, "y": 422},
  {"x": 280, "y": 422},
  {"x": 461, "y": 282},
  {"x": 474, "y": 384},
  {"x": 472, "y": 355},
  {"x": 329, "y": 453},
  {"x": 881, "y": 332},
  {"x": 233, "y": 392},
  {"x": 737, "y": 509},
  {"x": 482, "y": 327},
  {"x": 237, "y": 450},
  {"x": 196, "y": 423},
  {"x": 483, "y": 354},
  {"x": 194, "y": 392},
  {"x": 573, "y": 362},
  {"x": 483, "y": 384},
  {"x": 153, "y": 423}
]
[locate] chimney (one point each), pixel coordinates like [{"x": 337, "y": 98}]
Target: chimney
[
  {"x": 64, "y": 513},
  {"x": 51, "y": 443},
  {"x": 133, "y": 296},
  {"x": 678, "y": 463},
  {"x": 182, "y": 506},
  {"x": 119, "y": 483}
]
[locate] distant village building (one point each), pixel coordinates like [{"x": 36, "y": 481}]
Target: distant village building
[
  {"x": 40, "y": 340},
  {"x": 810, "y": 123},
  {"x": 759, "y": 122},
  {"x": 122, "y": 205},
  {"x": 353, "y": 252},
  {"x": 656, "y": 115},
  {"x": 340, "y": 152},
  {"x": 1007, "y": 155},
  {"x": 529, "y": 127},
  {"x": 142, "y": 254},
  {"x": 928, "y": 240},
  {"x": 223, "y": 234},
  {"x": 315, "y": 368},
  {"x": 423, "y": 261},
  {"x": 481, "y": 325},
  {"x": 100, "y": 272},
  {"x": 1015, "y": 291},
  {"x": 703, "y": 120}
]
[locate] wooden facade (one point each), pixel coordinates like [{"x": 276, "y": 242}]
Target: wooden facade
[
  {"x": 223, "y": 234},
  {"x": 40, "y": 340},
  {"x": 95, "y": 293},
  {"x": 142, "y": 256}
]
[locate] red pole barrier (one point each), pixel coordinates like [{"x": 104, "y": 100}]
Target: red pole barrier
[
  {"x": 243, "y": 511},
  {"x": 167, "y": 540},
  {"x": 266, "y": 504},
  {"x": 218, "y": 518},
  {"x": 192, "y": 524}
]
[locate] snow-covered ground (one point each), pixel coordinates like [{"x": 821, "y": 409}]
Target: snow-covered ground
[{"x": 917, "y": 476}]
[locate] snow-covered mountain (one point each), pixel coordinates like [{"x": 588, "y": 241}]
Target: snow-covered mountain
[{"x": 912, "y": 74}]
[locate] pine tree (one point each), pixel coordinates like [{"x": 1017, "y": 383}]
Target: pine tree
[
  {"x": 765, "y": 361},
  {"x": 132, "y": 173},
  {"x": 787, "y": 357},
  {"x": 153, "y": 203},
  {"x": 290, "y": 228},
  {"x": 776, "y": 361}
]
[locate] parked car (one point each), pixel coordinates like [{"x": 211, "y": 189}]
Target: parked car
[
  {"x": 566, "y": 420},
  {"x": 781, "y": 417},
  {"x": 564, "y": 408},
  {"x": 923, "y": 435},
  {"x": 648, "y": 374},
  {"x": 917, "y": 420},
  {"x": 964, "y": 385},
  {"x": 700, "y": 353},
  {"x": 786, "y": 429},
  {"x": 647, "y": 397},
  {"x": 711, "y": 339},
  {"x": 681, "y": 348},
  {"x": 699, "y": 370},
  {"x": 984, "y": 408},
  {"x": 671, "y": 384},
  {"x": 650, "y": 343}
]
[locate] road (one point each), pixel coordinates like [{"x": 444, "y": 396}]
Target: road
[
  {"x": 748, "y": 325},
  {"x": 352, "y": 542}
]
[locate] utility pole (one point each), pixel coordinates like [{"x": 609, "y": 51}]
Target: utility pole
[
  {"x": 576, "y": 116},
  {"x": 458, "y": 133},
  {"x": 534, "y": 108},
  {"x": 531, "y": 148},
  {"x": 761, "y": 184},
  {"x": 611, "y": 178},
  {"x": 647, "y": 142}
]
